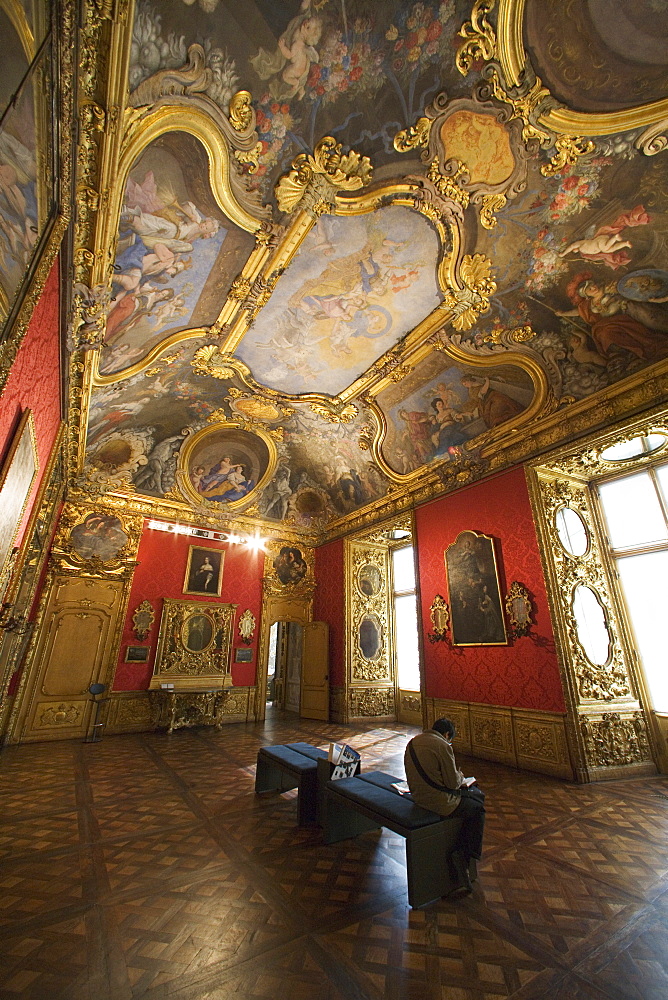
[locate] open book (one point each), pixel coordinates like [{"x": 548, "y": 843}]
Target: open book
[{"x": 345, "y": 760}]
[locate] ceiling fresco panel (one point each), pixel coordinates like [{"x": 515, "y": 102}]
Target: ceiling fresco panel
[
  {"x": 359, "y": 70},
  {"x": 443, "y": 404},
  {"x": 177, "y": 252},
  {"x": 355, "y": 287}
]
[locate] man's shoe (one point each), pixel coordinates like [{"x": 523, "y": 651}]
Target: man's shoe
[{"x": 461, "y": 870}]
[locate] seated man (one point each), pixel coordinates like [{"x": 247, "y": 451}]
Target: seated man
[{"x": 437, "y": 784}]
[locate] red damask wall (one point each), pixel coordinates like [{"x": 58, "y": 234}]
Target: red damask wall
[
  {"x": 328, "y": 605},
  {"x": 524, "y": 674},
  {"x": 34, "y": 383},
  {"x": 162, "y": 559}
]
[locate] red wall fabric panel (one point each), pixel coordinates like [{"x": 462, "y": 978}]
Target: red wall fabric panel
[
  {"x": 329, "y": 605},
  {"x": 162, "y": 559},
  {"x": 34, "y": 383},
  {"x": 524, "y": 674}
]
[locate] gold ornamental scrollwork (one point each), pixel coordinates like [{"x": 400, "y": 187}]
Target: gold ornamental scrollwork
[
  {"x": 142, "y": 620},
  {"x": 371, "y": 701},
  {"x": 343, "y": 415},
  {"x": 467, "y": 303},
  {"x": 97, "y": 540},
  {"x": 479, "y": 37},
  {"x": 598, "y": 682},
  {"x": 246, "y": 626},
  {"x": 615, "y": 740},
  {"x": 513, "y": 80},
  {"x": 314, "y": 181},
  {"x": 439, "y": 614},
  {"x": 519, "y": 610},
  {"x": 194, "y": 645},
  {"x": 241, "y": 111}
]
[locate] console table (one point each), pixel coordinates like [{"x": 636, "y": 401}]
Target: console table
[{"x": 178, "y": 709}]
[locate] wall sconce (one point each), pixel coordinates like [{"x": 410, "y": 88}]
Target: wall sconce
[
  {"x": 16, "y": 624},
  {"x": 440, "y": 619},
  {"x": 519, "y": 610}
]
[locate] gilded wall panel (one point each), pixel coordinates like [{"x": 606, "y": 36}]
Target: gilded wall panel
[
  {"x": 532, "y": 740},
  {"x": 368, "y": 605},
  {"x": 369, "y": 701},
  {"x": 492, "y": 733}
]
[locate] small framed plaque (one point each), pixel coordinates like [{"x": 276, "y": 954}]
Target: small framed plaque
[
  {"x": 243, "y": 655},
  {"x": 137, "y": 654}
]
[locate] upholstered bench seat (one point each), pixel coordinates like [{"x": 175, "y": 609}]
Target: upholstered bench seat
[
  {"x": 368, "y": 801},
  {"x": 291, "y": 765}
]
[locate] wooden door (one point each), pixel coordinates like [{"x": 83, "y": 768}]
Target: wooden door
[
  {"x": 74, "y": 651},
  {"x": 315, "y": 672}
]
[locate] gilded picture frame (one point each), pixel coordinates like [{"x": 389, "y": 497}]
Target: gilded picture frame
[
  {"x": 137, "y": 654},
  {"x": 16, "y": 481},
  {"x": 194, "y": 646},
  {"x": 29, "y": 133},
  {"x": 204, "y": 571},
  {"x": 476, "y": 613}
]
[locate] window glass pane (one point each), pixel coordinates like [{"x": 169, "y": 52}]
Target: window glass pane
[
  {"x": 633, "y": 511},
  {"x": 645, "y": 584},
  {"x": 592, "y": 629},
  {"x": 404, "y": 570},
  {"x": 408, "y": 654},
  {"x": 662, "y": 476},
  {"x": 572, "y": 532},
  {"x": 634, "y": 448}
]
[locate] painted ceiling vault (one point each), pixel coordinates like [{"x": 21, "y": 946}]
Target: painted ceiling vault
[{"x": 357, "y": 253}]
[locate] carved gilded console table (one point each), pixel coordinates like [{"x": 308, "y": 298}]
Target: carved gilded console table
[{"x": 177, "y": 709}]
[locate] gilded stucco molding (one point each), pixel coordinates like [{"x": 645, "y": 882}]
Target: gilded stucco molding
[
  {"x": 369, "y": 702},
  {"x": 67, "y": 556},
  {"x": 507, "y": 67},
  {"x": 614, "y": 739},
  {"x": 457, "y": 180},
  {"x": 314, "y": 180}
]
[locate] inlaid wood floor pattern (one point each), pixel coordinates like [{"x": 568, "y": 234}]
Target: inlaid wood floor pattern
[{"x": 145, "y": 867}]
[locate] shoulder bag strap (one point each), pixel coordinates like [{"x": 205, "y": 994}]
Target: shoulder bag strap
[{"x": 425, "y": 777}]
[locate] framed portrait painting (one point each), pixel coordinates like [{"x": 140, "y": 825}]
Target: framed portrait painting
[
  {"x": 476, "y": 613},
  {"x": 204, "y": 572},
  {"x": 16, "y": 479}
]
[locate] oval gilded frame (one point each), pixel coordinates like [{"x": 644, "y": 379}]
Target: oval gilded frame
[{"x": 192, "y": 443}]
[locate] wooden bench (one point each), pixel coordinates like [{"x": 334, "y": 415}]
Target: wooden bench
[
  {"x": 367, "y": 802},
  {"x": 291, "y": 765}
]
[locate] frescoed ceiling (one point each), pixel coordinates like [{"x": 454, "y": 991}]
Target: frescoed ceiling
[{"x": 357, "y": 253}]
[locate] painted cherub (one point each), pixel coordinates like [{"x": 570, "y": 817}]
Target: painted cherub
[{"x": 291, "y": 61}]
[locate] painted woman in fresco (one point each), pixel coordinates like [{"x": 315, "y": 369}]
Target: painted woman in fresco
[
  {"x": 610, "y": 317},
  {"x": 493, "y": 405},
  {"x": 446, "y": 434}
]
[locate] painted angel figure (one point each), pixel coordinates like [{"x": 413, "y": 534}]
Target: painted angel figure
[
  {"x": 290, "y": 62},
  {"x": 606, "y": 243}
]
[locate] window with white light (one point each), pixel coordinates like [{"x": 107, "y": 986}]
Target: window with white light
[
  {"x": 635, "y": 507},
  {"x": 405, "y": 619}
]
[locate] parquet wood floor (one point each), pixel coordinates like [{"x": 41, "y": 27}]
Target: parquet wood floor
[{"x": 146, "y": 867}]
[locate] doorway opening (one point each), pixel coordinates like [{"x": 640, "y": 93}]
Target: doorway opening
[{"x": 284, "y": 666}]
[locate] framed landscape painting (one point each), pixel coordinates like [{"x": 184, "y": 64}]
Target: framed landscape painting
[{"x": 475, "y": 600}]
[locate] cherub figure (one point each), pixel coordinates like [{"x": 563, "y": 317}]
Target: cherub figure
[{"x": 291, "y": 61}]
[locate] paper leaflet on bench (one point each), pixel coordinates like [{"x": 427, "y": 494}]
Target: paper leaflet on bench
[
  {"x": 403, "y": 789},
  {"x": 345, "y": 760}
]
